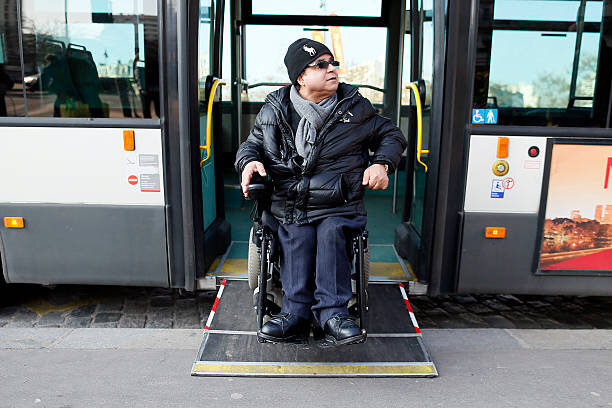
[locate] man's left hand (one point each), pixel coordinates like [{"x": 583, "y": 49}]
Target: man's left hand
[{"x": 375, "y": 177}]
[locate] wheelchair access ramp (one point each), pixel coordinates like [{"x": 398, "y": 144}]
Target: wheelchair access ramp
[{"x": 394, "y": 347}]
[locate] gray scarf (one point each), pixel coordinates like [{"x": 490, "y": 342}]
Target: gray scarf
[{"x": 313, "y": 117}]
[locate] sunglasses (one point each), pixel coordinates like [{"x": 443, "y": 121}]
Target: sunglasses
[{"x": 323, "y": 64}]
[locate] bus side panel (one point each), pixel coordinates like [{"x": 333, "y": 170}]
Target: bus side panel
[
  {"x": 511, "y": 201},
  {"x": 507, "y": 265},
  {"x": 93, "y": 244},
  {"x": 92, "y": 203}
]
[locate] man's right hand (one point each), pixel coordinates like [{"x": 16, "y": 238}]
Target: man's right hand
[{"x": 247, "y": 174}]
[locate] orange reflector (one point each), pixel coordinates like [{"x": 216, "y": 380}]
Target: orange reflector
[
  {"x": 495, "y": 232},
  {"x": 128, "y": 140},
  {"x": 13, "y": 222},
  {"x": 502, "y": 147}
]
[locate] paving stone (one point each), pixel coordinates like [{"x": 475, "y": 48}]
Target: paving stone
[
  {"x": 132, "y": 321},
  {"x": 509, "y": 300},
  {"x": 8, "y": 311},
  {"x": 477, "y": 308},
  {"x": 496, "y": 305},
  {"x": 596, "y": 321},
  {"x": 20, "y": 323},
  {"x": 187, "y": 314},
  {"x": 436, "y": 311},
  {"x": 426, "y": 322},
  {"x": 423, "y": 302},
  {"x": 546, "y": 322},
  {"x": 83, "y": 311},
  {"x": 135, "y": 307},
  {"x": 105, "y": 325},
  {"x": 464, "y": 299},
  {"x": 453, "y": 308},
  {"x": 521, "y": 321},
  {"x": 53, "y": 319},
  {"x": 77, "y": 322},
  {"x": 187, "y": 323},
  {"x": 473, "y": 320},
  {"x": 538, "y": 304},
  {"x": 454, "y": 322},
  {"x": 186, "y": 303},
  {"x": 107, "y": 317},
  {"x": 159, "y": 324},
  {"x": 498, "y": 322},
  {"x": 569, "y": 321},
  {"x": 161, "y": 301},
  {"x": 110, "y": 306},
  {"x": 160, "y": 314}
]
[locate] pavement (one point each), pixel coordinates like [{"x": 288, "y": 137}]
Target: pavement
[
  {"x": 113, "y": 367},
  {"x": 82, "y": 306}
]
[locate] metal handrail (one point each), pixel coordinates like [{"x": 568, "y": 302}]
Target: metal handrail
[
  {"x": 209, "y": 119},
  {"x": 375, "y": 88},
  {"x": 417, "y": 98}
]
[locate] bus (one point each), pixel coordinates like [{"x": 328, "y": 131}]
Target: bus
[{"x": 120, "y": 120}]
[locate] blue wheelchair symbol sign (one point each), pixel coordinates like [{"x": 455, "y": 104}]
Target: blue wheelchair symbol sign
[{"x": 484, "y": 116}]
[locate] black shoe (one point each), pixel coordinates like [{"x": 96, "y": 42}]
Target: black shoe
[
  {"x": 285, "y": 328},
  {"x": 342, "y": 329}
]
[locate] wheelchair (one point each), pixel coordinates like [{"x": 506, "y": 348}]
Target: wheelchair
[{"x": 264, "y": 262}]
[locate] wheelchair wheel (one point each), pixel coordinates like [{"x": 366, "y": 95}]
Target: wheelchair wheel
[{"x": 253, "y": 263}]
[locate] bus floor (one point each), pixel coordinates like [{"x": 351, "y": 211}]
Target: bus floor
[
  {"x": 394, "y": 347},
  {"x": 385, "y": 263}
]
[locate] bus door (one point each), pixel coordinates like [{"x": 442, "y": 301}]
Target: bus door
[
  {"x": 420, "y": 112},
  {"x": 217, "y": 233}
]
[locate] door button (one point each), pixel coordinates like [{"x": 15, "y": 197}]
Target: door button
[
  {"x": 500, "y": 168},
  {"x": 534, "y": 151}
]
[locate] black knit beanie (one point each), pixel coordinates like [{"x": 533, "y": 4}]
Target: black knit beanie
[{"x": 301, "y": 53}]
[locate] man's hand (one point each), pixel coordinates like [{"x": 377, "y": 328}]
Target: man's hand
[
  {"x": 247, "y": 173},
  {"x": 375, "y": 177}
]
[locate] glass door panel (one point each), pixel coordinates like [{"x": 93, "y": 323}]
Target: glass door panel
[{"x": 207, "y": 157}]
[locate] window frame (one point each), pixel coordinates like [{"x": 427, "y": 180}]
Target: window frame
[
  {"x": 483, "y": 34},
  {"x": 50, "y": 121}
]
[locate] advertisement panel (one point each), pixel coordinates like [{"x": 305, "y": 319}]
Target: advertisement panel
[{"x": 577, "y": 228}]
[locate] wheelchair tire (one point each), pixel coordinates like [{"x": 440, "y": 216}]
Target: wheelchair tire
[{"x": 253, "y": 263}]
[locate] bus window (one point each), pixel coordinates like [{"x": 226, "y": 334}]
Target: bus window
[
  {"x": 538, "y": 61},
  {"x": 367, "y": 8},
  {"x": 11, "y": 85},
  {"x": 91, "y": 59},
  {"x": 360, "y": 50}
]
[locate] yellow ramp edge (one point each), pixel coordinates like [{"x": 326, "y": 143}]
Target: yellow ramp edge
[
  {"x": 314, "y": 369},
  {"x": 391, "y": 270}
]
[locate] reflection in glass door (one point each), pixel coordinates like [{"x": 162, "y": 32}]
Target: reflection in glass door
[{"x": 207, "y": 156}]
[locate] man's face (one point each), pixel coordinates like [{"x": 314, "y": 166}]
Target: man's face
[{"x": 315, "y": 79}]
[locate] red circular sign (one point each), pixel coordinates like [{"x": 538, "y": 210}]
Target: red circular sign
[
  {"x": 133, "y": 180},
  {"x": 508, "y": 183}
]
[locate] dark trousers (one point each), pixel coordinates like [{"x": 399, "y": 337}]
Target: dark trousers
[{"x": 316, "y": 266}]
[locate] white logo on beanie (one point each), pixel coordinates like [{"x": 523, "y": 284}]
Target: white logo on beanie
[{"x": 310, "y": 50}]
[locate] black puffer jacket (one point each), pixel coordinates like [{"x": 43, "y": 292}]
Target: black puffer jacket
[{"x": 330, "y": 183}]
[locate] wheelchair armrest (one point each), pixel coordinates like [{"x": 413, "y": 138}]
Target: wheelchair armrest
[{"x": 259, "y": 188}]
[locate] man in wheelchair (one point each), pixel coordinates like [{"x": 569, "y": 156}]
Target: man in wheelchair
[{"x": 312, "y": 139}]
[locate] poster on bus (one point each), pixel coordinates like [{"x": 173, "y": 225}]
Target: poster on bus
[{"x": 577, "y": 232}]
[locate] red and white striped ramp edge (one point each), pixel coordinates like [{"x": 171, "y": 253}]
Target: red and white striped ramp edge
[
  {"x": 412, "y": 317},
  {"x": 214, "y": 308}
]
